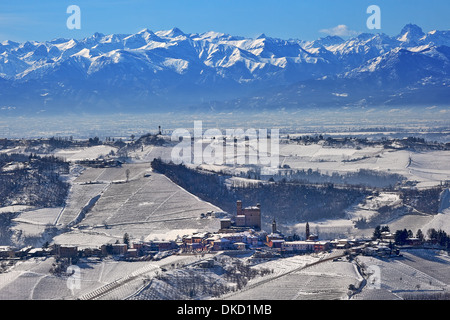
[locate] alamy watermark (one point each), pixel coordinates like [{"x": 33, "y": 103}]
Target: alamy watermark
[
  {"x": 374, "y": 21},
  {"x": 74, "y": 20},
  {"x": 231, "y": 147},
  {"x": 374, "y": 277},
  {"x": 74, "y": 280}
]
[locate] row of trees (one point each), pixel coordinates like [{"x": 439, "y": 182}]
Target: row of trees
[
  {"x": 401, "y": 237},
  {"x": 287, "y": 202},
  {"x": 32, "y": 180},
  {"x": 362, "y": 177},
  {"x": 194, "y": 283}
]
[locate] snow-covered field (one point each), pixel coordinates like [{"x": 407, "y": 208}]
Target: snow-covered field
[
  {"x": 302, "y": 277},
  {"x": 325, "y": 281},
  {"x": 147, "y": 208},
  {"x": 31, "y": 279},
  {"x": 115, "y": 174},
  {"x": 427, "y": 168},
  {"x": 108, "y": 203},
  {"x": 139, "y": 199},
  {"x": 418, "y": 272},
  {"x": 88, "y": 153},
  {"x": 80, "y": 195},
  {"x": 33, "y": 223}
]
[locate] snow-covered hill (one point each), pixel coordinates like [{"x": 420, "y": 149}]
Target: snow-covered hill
[{"x": 169, "y": 69}]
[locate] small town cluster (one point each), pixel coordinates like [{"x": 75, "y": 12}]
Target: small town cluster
[{"x": 240, "y": 233}]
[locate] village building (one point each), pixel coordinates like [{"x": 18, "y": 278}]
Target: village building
[
  {"x": 91, "y": 252},
  {"x": 225, "y": 225},
  {"x": 132, "y": 253},
  {"x": 235, "y": 237},
  {"x": 312, "y": 237},
  {"x": 275, "y": 235},
  {"x": 298, "y": 246},
  {"x": 37, "y": 252},
  {"x": 246, "y": 219},
  {"x": 276, "y": 244},
  {"x": 64, "y": 251},
  {"x": 414, "y": 242},
  {"x": 343, "y": 244},
  {"x": 240, "y": 246},
  {"x": 387, "y": 236},
  {"x": 221, "y": 244},
  {"x": 164, "y": 245},
  {"x": 6, "y": 252},
  {"x": 119, "y": 248},
  {"x": 321, "y": 246},
  {"x": 191, "y": 247},
  {"x": 252, "y": 240},
  {"x": 210, "y": 240}
]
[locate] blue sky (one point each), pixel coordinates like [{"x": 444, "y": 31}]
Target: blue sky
[{"x": 23, "y": 20}]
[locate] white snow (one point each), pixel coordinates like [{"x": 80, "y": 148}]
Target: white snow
[{"x": 89, "y": 153}]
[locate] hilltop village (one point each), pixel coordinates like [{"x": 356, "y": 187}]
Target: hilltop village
[{"x": 239, "y": 234}]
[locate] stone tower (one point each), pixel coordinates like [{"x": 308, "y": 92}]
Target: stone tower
[
  {"x": 239, "y": 208},
  {"x": 307, "y": 234},
  {"x": 274, "y": 226},
  {"x": 248, "y": 217}
]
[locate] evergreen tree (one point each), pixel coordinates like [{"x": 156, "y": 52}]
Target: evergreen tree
[
  {"x": 410, "y": 234},
  {"x": 126, "y": 239},
  {"x": 377, "y": 233},
  {"x": 307, "y": 230},
  {"x": 420, "y": 235},
  {"x": 401, "y": 236}
]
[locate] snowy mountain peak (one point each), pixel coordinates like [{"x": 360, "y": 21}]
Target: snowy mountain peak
[
  {"x": 124, "y": 68},
  {"x": 210, "y": 35},
  {"x": 97, "y": 35},
  {"x": 261, "y": 36},
  {"x": 329, "y": 41},
  {"x": 145, "y": 31},
  {"x": 173, "y": 33},
  {"x": 410, "y": 33}
]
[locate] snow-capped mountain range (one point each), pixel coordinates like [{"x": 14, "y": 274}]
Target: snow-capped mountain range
[{"x": 169, "y": 70}]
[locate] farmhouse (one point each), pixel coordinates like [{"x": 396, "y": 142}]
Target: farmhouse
[
  {"x": 414, "y": 242},
  {"x": 387, "y": 236}
]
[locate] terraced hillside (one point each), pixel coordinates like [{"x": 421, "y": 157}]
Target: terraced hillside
[{"x": 148, "y": 206}]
